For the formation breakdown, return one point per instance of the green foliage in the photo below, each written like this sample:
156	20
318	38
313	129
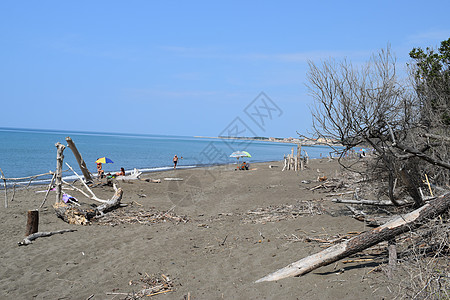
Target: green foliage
432	75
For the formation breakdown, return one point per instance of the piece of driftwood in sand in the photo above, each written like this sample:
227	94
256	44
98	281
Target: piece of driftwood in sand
29	239
369	220
151	180
173	179
369	202
79	215
59	162
79	158
363	241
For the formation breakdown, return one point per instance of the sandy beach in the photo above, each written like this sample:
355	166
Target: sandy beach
229	228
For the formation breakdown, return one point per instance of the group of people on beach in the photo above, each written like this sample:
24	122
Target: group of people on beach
101	172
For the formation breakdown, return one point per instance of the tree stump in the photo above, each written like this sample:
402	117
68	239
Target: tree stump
32	222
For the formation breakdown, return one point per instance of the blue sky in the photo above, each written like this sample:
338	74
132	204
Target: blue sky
188	67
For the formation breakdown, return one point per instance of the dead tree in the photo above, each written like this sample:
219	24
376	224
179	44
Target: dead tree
365	240
79	158
370	106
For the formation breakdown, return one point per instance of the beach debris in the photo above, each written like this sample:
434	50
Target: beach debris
386	232
369	202
29	239
173	179
323	178
78	215
135	215
296	162
276	213
150	285
151	180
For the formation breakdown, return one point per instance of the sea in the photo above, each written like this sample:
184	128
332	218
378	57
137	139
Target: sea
29	152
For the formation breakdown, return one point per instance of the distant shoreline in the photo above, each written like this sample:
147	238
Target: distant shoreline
303	142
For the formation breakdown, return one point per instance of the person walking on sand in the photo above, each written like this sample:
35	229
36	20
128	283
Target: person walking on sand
175	161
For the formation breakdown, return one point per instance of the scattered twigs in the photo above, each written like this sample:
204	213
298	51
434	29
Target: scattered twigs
152	285
132	215
29	239
283	212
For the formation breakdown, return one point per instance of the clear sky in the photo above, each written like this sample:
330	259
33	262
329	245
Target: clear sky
188	67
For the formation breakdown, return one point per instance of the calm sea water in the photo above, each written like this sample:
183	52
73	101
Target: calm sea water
25	152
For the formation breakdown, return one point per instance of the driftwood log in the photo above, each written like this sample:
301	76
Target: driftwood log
369	202
29	239
73	214
79	158
363	241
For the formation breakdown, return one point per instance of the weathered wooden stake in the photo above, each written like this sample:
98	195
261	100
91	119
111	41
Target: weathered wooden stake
6	189
392	250
81	163
32	222
59	162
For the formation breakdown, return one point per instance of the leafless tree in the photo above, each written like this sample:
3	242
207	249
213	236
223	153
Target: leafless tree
369	105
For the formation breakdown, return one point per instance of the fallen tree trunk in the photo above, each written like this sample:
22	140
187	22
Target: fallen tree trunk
29	239
363	241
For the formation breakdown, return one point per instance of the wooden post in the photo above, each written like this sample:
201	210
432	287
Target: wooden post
392	250
81	163
307	157
6	189
32	222
59	162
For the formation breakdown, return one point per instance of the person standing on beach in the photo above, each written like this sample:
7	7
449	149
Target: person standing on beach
175	161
